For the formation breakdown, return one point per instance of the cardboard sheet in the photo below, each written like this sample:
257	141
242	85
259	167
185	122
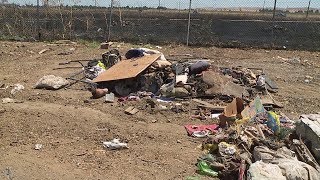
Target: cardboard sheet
127	68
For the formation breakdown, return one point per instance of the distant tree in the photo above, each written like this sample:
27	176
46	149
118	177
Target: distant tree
161	7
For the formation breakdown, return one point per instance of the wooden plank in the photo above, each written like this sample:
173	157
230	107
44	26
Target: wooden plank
127	68
208	105
131	110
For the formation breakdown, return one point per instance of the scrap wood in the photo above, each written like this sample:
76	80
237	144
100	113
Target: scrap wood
77	73
242	170
85	60
67	68
127	68
260	132
208	105
269	100
43	51
84	81
131	110
190	55
304	154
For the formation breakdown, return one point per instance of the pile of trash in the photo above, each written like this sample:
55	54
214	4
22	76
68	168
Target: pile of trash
145	70
252	143
249	138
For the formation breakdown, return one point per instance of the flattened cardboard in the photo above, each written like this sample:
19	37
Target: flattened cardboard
234	108
127	68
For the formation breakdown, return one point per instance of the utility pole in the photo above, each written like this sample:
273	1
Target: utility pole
308	9
189	22
264	4
274	9
159	5
110	21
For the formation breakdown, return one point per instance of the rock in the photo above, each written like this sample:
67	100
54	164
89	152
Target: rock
309	77
169	90
232	89
2	111
180	92
9	100
51	82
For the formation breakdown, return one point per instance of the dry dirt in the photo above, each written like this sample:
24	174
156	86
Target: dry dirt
72	130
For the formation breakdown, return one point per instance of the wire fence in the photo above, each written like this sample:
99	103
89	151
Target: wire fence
277	24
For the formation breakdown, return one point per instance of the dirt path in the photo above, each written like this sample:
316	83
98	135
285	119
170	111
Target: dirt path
72	130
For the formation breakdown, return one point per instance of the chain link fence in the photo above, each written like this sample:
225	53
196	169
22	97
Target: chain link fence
277	24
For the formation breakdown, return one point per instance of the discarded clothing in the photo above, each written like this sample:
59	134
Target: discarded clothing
198	67
201	130
94	71
134	53
264	171
139	52
290	167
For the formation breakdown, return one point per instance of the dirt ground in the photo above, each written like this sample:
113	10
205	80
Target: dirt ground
72	129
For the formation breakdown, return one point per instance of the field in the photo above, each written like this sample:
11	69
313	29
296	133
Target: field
222	29
71	129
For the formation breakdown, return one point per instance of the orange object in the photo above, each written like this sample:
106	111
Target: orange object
98	93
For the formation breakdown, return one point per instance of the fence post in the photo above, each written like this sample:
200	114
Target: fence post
38	21
110	20
274	9
189	22
273	17
308	9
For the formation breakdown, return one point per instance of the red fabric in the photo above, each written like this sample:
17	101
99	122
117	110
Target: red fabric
193	128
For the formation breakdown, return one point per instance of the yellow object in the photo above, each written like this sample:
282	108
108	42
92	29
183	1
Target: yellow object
100	64
242	121
273	122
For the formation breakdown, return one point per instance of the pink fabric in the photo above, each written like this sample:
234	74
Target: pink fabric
193	128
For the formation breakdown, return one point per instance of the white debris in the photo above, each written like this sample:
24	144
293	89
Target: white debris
115	144
43	51
38	146
9	100
17	88
264	171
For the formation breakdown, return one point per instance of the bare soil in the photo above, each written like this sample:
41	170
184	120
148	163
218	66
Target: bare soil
72	130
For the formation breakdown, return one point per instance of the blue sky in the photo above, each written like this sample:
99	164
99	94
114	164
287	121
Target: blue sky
184	3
